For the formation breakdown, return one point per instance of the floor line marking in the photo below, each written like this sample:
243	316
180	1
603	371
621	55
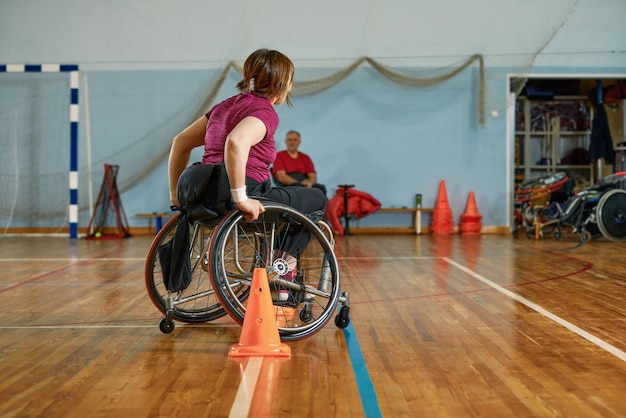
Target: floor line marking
9	327
245	391
364	383
73	326
73	259
79	259
575	329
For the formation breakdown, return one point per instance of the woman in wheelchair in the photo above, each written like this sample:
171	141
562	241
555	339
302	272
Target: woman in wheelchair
239	131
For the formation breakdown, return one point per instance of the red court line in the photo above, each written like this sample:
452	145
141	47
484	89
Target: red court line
586	267
42	276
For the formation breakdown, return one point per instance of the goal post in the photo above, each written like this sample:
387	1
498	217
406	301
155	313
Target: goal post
74	77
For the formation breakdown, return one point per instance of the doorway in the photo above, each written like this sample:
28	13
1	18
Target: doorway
550	118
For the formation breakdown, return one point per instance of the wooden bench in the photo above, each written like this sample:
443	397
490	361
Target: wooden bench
158	218
417	221
417	215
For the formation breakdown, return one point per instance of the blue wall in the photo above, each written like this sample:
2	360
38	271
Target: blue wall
390	140
146	69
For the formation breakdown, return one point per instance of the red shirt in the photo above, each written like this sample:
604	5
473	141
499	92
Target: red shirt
223	118
302	164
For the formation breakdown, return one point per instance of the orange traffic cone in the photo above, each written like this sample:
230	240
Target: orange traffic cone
442	223
470	220
442	197
259	334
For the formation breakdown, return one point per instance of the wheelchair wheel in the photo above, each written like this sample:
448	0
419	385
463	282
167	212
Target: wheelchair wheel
593	229
611	215
238	247
197	303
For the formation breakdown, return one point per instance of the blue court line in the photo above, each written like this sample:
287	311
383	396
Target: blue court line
369	400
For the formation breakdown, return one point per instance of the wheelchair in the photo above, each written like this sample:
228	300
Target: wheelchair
536	201
598	211
224	253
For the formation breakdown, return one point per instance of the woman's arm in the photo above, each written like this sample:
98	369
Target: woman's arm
182	145
246	134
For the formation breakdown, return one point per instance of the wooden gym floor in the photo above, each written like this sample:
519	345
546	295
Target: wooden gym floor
453	326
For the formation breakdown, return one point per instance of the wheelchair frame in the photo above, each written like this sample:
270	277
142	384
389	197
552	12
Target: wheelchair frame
223	258
596	211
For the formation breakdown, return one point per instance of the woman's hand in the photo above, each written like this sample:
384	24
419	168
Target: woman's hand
174	199
251	209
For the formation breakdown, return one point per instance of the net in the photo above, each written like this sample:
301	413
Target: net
34	119
9	189
34	132
34	127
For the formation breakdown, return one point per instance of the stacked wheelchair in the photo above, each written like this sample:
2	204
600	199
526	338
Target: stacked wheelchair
223	254
548	202
597	211
537	201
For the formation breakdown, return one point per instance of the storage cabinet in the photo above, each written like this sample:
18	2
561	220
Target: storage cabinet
553	135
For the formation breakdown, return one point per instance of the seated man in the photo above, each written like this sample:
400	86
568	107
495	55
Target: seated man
293	167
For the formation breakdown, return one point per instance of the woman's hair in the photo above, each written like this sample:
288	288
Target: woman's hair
268	73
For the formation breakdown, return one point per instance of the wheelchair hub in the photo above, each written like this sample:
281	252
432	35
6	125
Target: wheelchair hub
280	266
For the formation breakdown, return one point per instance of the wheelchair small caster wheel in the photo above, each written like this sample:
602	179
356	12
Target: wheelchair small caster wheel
343	318
305	315
166	326
556	234
585	236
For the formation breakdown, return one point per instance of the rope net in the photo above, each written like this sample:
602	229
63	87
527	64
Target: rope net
34	133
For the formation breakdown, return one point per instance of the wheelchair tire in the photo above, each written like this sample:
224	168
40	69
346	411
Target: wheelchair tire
611	215
238	247
196	303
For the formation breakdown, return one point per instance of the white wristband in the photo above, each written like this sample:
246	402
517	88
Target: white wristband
239	195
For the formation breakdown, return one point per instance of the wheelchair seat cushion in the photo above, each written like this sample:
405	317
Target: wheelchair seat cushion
203	191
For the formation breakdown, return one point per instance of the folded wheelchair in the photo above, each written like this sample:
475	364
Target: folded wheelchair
549	202
223	253
537	200
597	211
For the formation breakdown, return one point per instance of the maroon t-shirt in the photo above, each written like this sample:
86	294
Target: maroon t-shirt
223	118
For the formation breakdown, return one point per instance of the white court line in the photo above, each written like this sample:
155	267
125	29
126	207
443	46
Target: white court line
74	326
410	257
589	337
245	392
109	326
73	259
77	259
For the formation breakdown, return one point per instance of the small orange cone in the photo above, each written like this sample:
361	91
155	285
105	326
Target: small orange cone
471	209
259	333
442	223
470	220
442	197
